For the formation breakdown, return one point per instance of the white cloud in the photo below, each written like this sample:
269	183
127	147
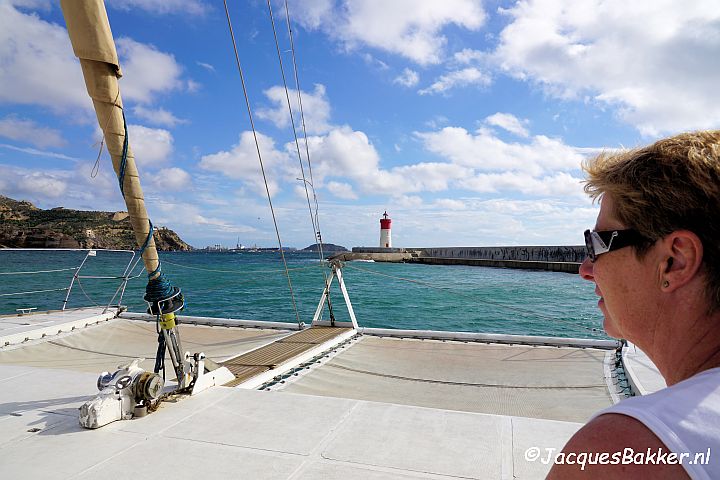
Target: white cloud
450	204
28	131
348	153
50	185
408	78
508	122
38	153
342	190
173	178
426	176
343	152
404	27
147	71
241	163
437	121
654	61
151	146
316	109
38	64
193	86
72	188
481	162
157	116
468	56
458	78
486	152
407	201
162	7
374	62
32	4
206	66
183	216
559	185
498	221
39	67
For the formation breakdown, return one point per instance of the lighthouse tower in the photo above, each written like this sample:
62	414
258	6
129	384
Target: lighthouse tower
385	237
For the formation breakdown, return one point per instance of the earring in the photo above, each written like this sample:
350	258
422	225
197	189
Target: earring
665	284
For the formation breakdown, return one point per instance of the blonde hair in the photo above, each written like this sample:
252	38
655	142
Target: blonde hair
673	184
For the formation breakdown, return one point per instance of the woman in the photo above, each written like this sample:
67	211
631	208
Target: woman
654	256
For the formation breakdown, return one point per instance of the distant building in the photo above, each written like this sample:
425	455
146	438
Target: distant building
385	236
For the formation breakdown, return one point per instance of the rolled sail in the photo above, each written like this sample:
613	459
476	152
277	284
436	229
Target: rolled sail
93	44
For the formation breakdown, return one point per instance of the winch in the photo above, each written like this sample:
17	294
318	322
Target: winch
122	393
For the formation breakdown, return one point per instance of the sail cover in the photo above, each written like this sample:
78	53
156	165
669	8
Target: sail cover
93	44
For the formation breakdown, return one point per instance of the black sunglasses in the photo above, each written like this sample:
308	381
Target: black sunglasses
597	243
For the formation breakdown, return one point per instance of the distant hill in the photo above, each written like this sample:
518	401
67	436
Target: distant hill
23	225
327	247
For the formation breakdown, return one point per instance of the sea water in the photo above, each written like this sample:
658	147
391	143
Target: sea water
254	286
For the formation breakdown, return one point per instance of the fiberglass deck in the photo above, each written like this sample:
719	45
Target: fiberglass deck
377	408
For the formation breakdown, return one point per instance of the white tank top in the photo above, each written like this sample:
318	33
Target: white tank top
686	417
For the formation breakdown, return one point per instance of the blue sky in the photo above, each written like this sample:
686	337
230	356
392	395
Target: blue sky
466	120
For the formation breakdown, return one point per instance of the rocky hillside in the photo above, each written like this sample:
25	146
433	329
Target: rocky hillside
23	225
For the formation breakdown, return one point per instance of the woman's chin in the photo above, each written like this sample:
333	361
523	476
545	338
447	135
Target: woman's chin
610	328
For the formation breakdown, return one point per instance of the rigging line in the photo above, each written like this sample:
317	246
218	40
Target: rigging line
96	166
85	293
316	223
316	229
237	272
132	269
39	271
302	121
488	302
34	291
262	167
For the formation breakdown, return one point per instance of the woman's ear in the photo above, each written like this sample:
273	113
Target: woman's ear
684	252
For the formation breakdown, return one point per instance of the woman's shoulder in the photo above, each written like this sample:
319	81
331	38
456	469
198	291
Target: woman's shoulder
611	444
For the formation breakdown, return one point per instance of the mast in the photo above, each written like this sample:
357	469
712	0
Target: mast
93	44
89	30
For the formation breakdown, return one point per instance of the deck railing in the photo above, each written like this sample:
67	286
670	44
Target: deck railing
123	279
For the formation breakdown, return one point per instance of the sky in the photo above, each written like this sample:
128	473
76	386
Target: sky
466	120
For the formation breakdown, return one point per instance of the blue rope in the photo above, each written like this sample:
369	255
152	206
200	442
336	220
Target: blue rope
123	159
147	240
158	288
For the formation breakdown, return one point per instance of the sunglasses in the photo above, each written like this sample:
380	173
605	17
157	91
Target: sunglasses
597	243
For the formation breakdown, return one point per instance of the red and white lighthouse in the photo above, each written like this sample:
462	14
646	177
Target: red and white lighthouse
385	237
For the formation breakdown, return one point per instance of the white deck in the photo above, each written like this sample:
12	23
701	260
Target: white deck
16	329
227	433
224	433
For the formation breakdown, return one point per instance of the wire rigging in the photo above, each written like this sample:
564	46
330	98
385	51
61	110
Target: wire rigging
235	272
302	121
292	122
39	271
314	218
262	167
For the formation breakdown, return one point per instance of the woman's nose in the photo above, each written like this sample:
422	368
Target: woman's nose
586	270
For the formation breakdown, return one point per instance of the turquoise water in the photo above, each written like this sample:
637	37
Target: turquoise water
253	286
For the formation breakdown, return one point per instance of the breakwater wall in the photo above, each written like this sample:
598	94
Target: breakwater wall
528	253
551	258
